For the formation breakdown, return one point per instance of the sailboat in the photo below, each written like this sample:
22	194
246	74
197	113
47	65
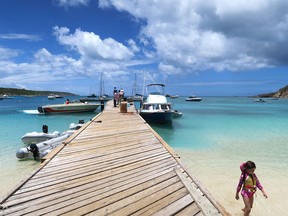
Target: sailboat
102	96
135	96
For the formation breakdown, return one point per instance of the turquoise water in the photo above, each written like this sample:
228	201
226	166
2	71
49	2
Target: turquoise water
17	117
212	138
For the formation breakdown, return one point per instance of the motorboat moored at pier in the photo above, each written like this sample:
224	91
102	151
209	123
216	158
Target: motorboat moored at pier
156	108
39	150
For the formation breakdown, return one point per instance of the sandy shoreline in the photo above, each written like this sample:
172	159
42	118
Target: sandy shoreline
220	176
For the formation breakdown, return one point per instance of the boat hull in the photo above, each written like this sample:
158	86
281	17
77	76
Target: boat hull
68	108
194	99
157	117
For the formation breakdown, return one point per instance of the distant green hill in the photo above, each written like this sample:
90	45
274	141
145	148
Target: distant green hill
19	92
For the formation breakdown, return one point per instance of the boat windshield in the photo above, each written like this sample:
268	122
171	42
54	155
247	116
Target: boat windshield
155	89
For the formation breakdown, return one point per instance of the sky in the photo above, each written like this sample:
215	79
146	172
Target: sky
194	47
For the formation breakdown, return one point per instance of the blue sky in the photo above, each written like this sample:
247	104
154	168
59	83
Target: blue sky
207	48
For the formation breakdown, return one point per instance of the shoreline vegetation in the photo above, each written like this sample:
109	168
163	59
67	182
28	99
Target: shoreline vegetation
25	92
281	93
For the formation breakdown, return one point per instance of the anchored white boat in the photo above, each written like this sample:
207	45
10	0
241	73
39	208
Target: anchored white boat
76	107
156	108
193	98
39	150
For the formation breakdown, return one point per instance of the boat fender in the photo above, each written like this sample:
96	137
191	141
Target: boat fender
45	129
35	151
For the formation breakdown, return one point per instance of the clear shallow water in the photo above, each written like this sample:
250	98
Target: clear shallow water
17	117
212	137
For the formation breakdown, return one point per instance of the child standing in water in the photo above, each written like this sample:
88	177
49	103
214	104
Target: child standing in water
249	183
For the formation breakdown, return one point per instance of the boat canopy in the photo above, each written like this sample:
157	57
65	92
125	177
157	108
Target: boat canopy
155	89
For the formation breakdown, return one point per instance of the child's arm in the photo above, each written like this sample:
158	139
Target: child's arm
258	184
239	186
264	193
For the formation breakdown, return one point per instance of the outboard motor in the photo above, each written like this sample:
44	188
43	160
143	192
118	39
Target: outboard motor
35	151
81	121
40	110
45	129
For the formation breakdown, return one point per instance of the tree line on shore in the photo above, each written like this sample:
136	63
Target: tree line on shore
22	92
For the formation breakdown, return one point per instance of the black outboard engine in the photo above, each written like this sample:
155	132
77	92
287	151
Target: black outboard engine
40	110
35	151
45	129
81	121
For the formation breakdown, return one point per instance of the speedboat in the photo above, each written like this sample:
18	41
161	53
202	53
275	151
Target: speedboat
156	108
75	107
193	98
39	150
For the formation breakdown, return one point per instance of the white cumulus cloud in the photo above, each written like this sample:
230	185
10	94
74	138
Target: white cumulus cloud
90	45
194	35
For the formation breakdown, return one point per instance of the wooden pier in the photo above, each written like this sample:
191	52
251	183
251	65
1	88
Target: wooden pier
116	164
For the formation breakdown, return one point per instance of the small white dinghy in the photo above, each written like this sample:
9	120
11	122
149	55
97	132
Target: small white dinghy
39	150
36	137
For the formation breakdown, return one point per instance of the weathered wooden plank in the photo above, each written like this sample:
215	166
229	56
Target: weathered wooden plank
201	200
161	203
176	206
192	209
94	189
95	168
60	194
62	183
98	157
154	184
148	192
135	206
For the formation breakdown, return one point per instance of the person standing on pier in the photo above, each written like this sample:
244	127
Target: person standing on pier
115	96
121	95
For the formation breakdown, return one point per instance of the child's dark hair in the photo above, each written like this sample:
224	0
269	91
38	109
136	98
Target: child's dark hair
245	166
249	165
